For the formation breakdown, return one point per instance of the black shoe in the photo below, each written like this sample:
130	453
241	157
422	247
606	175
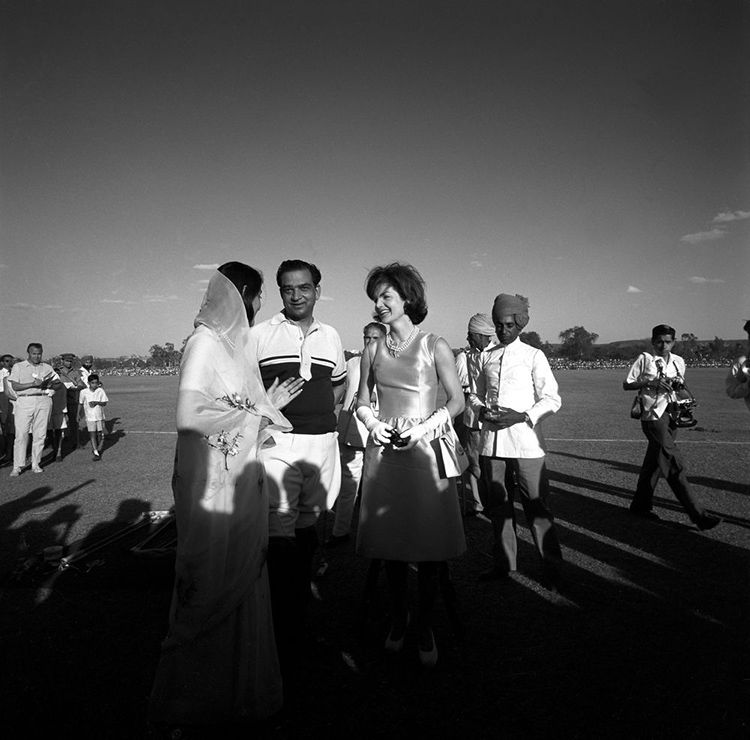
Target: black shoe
551	577
652	515
708	521
493	574
337	539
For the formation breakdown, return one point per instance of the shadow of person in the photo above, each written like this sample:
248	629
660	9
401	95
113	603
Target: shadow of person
290	559
129	512
34	535
708	481
112	435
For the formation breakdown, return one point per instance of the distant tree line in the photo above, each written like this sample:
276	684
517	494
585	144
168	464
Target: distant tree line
576	343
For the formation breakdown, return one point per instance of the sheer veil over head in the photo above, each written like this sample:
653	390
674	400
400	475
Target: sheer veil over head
223	312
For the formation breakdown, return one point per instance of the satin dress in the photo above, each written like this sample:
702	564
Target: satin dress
407	512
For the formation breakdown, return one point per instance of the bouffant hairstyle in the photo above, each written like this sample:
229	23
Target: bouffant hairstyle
244	276
406	281
292	265
662	329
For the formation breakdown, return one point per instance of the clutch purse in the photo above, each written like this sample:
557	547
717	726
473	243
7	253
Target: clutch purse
451	457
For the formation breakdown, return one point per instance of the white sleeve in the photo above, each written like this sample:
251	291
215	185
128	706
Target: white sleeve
462	369
545	389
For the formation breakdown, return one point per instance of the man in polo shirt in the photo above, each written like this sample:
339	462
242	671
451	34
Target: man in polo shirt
34	382
302	466
515	391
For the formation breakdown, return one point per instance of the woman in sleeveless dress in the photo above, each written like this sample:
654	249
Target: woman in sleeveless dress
218	662
408	514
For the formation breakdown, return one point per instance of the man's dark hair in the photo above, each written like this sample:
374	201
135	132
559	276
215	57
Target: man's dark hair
92	376
292	265
244	276
34	344
662	329
406	281
6	357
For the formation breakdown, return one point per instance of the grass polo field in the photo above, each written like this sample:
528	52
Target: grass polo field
647	639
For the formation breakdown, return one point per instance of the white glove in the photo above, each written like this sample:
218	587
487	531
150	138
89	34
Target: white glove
380	432
433	421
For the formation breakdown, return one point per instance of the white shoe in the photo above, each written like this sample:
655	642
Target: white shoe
15	473
36	469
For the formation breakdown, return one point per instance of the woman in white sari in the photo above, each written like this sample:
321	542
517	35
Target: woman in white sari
218	662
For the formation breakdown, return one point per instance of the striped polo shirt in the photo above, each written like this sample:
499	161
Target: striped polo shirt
284	351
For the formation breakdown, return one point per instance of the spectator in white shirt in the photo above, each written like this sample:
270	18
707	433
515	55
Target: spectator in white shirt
481	335
515	391
34	382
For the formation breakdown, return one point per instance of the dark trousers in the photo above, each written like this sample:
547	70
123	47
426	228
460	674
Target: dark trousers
289	578
72	406
503	476
663	459
471	482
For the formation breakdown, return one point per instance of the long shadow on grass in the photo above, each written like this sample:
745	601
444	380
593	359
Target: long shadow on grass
660	621
640	637
83	631
36	534
112	436
709	482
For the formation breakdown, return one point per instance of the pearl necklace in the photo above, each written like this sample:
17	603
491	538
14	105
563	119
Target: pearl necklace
397	349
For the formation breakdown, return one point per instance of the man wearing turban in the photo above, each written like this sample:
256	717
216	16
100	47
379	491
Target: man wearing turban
481	334
515	391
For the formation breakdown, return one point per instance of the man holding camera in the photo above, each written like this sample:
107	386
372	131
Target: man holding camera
656	377
34	383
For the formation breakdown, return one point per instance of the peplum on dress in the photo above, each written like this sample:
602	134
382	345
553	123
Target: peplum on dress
408	513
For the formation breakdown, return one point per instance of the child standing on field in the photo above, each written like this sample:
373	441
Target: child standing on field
91	404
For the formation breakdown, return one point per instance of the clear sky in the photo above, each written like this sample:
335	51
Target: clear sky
590	155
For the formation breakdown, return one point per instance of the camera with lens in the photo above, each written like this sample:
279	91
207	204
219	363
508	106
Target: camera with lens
676	383
681	409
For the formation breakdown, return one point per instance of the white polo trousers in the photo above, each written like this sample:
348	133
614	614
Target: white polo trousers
32	414
303	475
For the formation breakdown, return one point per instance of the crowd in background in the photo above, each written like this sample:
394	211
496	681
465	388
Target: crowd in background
44	404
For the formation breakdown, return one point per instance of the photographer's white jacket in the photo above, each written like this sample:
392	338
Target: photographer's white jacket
520	378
